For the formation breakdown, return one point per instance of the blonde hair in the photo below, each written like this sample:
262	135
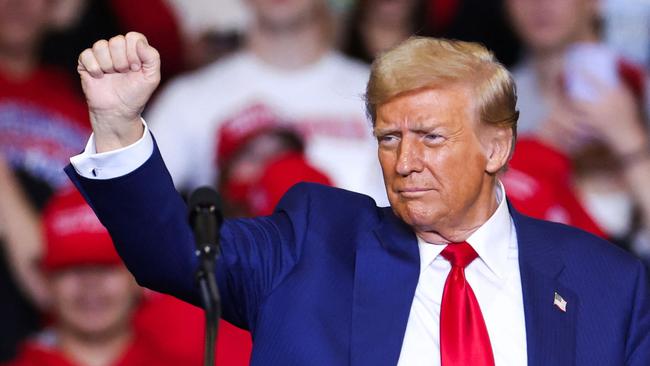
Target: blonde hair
422	62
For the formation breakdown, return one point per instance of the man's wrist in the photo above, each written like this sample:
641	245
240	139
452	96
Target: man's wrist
108	137
115	163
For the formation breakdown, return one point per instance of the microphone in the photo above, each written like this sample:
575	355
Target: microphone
205	219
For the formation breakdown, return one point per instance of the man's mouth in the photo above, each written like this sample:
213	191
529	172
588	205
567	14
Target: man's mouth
413	192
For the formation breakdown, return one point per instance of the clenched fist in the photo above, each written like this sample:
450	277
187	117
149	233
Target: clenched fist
118	77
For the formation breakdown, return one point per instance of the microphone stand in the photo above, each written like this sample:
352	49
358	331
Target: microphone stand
207	254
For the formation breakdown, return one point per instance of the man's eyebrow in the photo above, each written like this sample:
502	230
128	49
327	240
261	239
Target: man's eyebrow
421	127
384	131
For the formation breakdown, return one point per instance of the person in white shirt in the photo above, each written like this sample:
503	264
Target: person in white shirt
287	65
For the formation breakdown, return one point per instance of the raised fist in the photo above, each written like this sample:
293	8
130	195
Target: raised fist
118	77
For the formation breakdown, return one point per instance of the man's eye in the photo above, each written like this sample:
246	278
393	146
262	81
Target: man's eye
432	137
386	139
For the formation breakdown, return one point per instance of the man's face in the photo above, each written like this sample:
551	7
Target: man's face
93	301
391	10
551	24
22	23
285	15
435	162
248	164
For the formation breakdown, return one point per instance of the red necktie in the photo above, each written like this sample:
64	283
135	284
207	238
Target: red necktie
464	339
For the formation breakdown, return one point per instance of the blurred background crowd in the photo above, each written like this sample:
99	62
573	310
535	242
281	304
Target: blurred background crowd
260	94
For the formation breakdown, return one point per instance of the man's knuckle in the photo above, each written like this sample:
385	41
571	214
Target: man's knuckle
93	68
85	54
134	35
100	45
116	41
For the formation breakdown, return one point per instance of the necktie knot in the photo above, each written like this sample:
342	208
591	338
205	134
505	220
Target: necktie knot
459	254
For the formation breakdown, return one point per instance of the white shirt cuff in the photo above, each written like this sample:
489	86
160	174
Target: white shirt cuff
116	163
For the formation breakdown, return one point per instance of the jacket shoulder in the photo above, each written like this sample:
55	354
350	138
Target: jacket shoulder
326	200
578	247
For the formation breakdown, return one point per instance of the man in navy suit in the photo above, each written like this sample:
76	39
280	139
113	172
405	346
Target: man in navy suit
448	275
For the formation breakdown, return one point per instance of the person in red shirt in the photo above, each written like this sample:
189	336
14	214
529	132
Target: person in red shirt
42	121
100	316
539	182
260	158
93	296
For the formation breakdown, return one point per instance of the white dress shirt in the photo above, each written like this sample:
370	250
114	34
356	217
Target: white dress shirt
494	275
115	163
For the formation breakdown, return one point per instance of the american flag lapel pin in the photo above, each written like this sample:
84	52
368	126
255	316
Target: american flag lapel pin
559	302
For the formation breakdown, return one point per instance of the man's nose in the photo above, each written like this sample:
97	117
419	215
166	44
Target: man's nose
409	158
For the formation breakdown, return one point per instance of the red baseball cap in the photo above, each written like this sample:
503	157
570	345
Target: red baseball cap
280	175
73	234
241	128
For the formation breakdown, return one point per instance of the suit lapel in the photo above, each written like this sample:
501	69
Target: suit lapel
387	269
550	332
382	298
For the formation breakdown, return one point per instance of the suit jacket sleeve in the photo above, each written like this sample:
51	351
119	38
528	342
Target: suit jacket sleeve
638	338
147	220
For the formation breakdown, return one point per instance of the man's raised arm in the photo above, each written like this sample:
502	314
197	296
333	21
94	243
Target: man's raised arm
134	197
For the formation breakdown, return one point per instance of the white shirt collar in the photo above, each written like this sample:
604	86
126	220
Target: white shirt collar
491	241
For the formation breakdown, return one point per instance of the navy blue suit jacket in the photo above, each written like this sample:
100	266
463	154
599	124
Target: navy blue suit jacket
329	278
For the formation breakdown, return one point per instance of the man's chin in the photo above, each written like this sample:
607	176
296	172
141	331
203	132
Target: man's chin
432	237
416	214
424	226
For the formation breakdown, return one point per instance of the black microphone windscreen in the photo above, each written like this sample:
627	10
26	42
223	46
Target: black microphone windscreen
204	197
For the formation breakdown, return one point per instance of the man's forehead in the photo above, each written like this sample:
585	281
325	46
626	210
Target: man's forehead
425	107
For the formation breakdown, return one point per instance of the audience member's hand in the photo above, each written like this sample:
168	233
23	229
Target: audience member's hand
118	77
564	130
615	117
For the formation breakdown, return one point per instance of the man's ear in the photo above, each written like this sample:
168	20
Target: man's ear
497	142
